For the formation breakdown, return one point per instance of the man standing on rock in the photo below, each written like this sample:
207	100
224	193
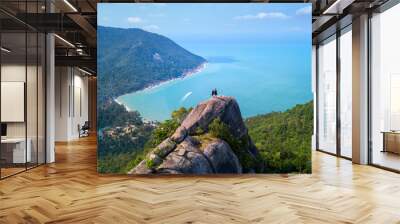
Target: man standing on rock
214	92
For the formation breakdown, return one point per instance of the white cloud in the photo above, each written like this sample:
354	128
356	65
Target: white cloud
263	15
151	27
304	11
135	19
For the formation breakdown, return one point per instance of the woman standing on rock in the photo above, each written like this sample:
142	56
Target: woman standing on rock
214	92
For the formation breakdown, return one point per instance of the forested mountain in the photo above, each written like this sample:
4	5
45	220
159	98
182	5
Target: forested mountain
132	59
123	135
284	138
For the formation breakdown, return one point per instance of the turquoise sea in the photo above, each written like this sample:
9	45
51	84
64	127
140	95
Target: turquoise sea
262	77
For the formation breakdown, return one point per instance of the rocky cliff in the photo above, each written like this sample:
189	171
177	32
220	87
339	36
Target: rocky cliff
211	139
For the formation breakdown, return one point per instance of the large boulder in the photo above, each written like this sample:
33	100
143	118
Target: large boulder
165	147
192	150
186	158
179	135
223	107
221	157
141	168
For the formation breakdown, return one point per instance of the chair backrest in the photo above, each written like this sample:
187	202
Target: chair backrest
86	125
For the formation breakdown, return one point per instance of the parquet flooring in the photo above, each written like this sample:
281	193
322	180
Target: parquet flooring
8	171
71	191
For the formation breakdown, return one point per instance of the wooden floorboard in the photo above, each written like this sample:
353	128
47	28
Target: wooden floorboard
71	191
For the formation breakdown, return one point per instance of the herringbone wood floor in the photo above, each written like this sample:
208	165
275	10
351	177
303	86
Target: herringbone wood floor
70	191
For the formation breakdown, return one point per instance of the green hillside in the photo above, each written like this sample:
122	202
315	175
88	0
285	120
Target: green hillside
122	136
132	59
284	138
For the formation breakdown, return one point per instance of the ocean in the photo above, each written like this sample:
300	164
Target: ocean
263	77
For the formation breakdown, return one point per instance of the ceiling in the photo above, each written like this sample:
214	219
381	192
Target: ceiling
73	21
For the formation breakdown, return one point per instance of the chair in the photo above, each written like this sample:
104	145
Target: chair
84	130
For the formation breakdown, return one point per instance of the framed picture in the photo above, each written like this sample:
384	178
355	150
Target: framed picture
204	88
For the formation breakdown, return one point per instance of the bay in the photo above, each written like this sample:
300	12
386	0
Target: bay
262	77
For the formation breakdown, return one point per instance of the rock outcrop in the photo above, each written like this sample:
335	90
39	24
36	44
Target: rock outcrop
193	150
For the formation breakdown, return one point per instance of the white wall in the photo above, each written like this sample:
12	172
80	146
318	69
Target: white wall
81	113
12	73
71	102
33	127
62	82
16	73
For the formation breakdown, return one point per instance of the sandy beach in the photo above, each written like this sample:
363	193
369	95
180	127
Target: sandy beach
194	71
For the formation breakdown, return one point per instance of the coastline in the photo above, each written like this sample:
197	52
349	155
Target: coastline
120	103
192	72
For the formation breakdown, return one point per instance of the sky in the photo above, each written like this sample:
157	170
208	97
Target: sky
225	22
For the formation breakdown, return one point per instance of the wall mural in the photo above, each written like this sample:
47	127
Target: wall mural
204	88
